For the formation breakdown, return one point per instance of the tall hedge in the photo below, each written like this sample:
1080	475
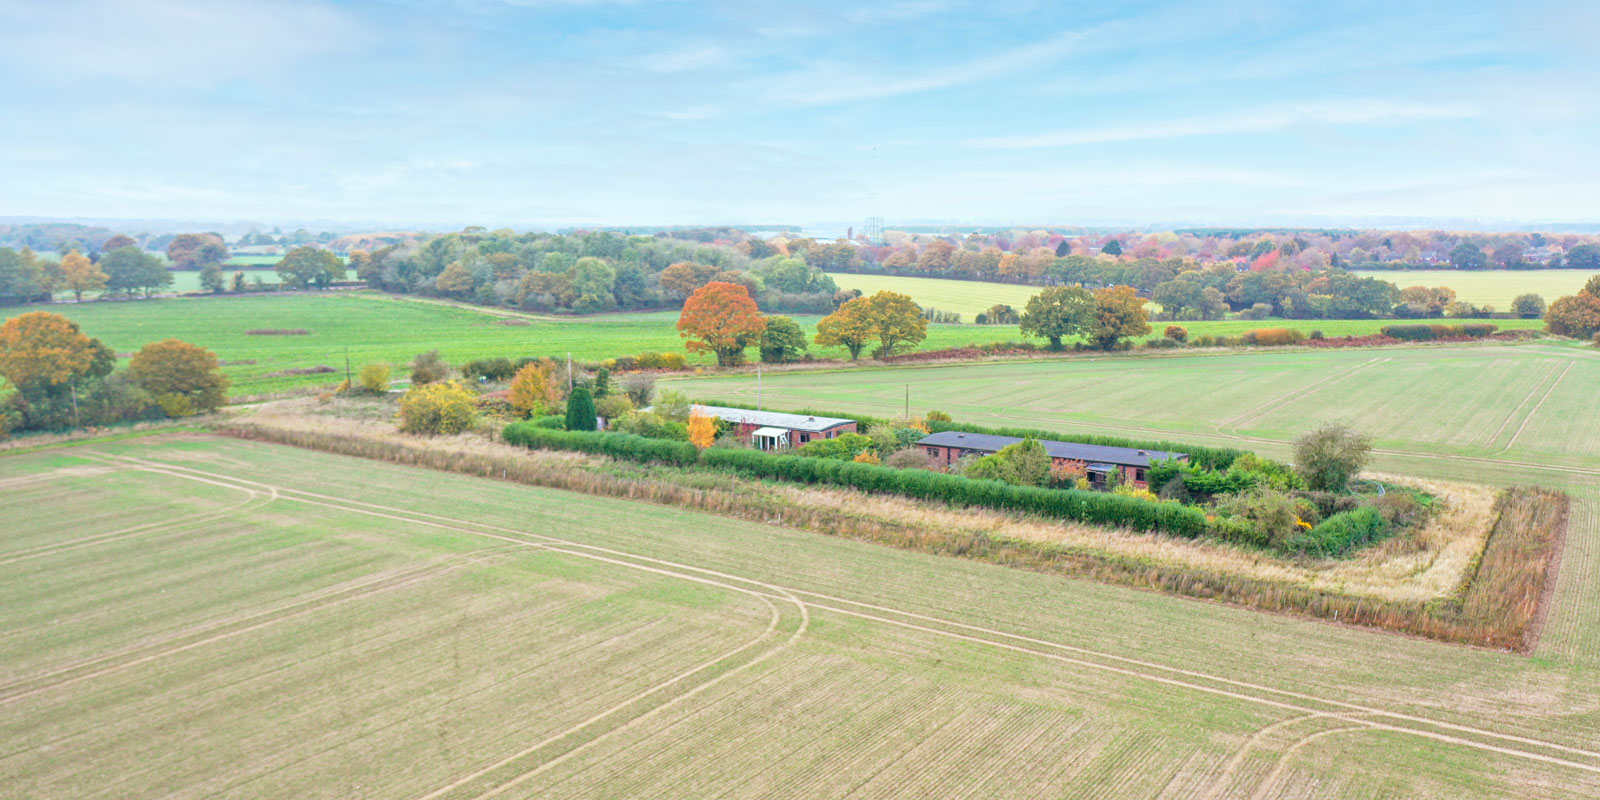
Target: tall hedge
1091	507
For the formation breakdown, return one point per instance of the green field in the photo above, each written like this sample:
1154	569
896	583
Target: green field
968	298
1492	287
188	281
383	328
193	617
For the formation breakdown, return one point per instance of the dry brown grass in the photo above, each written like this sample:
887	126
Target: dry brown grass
1432	582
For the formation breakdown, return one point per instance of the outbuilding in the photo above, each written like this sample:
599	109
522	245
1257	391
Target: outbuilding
1131	465
774	430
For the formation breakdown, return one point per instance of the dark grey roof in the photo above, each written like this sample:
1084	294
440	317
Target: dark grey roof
774	419
986	443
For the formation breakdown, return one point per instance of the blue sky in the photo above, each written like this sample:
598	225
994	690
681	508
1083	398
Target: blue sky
534	113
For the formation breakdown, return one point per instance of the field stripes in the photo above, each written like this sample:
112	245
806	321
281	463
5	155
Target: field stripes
1535	411
253	499
1533	390
1573	619
1232	423
1470	736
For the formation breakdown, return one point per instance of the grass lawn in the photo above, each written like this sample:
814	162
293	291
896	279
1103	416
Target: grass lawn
366	629
382	328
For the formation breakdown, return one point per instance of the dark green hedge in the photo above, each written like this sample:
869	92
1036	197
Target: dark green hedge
1342	533
1090	507
1428	333
617	445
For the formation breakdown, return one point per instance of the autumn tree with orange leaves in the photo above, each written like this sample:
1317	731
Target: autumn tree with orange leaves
721	318
1118	314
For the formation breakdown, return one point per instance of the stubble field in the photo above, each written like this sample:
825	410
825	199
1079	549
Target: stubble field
205	617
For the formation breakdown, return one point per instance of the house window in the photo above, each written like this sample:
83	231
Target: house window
1138	474
805	437
933	451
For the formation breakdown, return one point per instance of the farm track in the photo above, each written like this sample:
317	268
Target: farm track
1484	739
1533	413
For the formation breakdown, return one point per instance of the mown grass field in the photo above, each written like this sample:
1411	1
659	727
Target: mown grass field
199	617
378	327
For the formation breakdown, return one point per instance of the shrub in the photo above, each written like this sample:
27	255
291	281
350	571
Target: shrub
535	389
910	458
1342	533
674	361
613	406
428	368
843	447
374	378
1316	335
437	408
1528	306
1274	514
1257	311
1478	330
554	422
1177	333
640	388
1273	337
493	369
936	416
580	410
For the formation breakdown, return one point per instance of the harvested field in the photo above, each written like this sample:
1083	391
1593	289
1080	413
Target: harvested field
432	635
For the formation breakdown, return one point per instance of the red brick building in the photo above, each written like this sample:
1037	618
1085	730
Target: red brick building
947	447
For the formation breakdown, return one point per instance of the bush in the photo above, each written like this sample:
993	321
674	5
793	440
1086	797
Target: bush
1528	306
674	361
374	378
1428	333
1342	533
640	388
554	422
1177	333
437	408
936	416
1273	337
910	458
428	368
1316	335
1328	457
1257	311
493	369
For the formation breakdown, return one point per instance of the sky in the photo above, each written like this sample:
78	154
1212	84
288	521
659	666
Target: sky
544	113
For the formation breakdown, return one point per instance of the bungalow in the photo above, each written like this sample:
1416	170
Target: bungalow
946	447
772	430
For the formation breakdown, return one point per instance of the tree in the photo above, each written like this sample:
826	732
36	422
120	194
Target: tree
721	318
1576	315
79	275
455	280
580	410
782	341
45	356
1528	306
21	277
128	269
437	408
896	321
685	277
211	279
195	250
1112	248
1584	256
1024	463
184	378
535	390
309	265
702	429
1118	314
1058	312
1328	457
1063	248
1467	255
118	241
849	327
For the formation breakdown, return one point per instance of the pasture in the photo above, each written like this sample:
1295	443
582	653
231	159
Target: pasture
379	327
196	617
968	298
1491	287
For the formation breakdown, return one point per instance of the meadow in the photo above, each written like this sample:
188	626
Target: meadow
188	281
378	327
255	620
1489	287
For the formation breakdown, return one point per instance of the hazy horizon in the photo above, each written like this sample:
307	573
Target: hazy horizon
548	115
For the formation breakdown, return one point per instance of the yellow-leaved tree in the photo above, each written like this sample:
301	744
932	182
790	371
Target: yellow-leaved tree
79	275
702	429
535	391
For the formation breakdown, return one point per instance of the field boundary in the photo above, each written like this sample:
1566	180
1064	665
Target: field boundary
1286	699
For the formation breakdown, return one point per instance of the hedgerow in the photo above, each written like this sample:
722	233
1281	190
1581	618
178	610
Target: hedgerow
1091	507
1342	533
616	445
1428	333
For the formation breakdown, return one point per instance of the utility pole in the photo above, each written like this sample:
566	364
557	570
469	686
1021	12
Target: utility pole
569	372
76	421
347	377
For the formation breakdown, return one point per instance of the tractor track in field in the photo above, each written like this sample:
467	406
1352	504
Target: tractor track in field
555	544
1535	410
1358	715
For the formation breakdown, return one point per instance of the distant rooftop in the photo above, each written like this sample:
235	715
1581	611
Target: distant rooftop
1093	453
773	419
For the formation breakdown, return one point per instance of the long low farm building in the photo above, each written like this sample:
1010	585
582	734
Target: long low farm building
773	430
947	447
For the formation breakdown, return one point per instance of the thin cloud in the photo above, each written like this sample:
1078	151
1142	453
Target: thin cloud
1263	120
